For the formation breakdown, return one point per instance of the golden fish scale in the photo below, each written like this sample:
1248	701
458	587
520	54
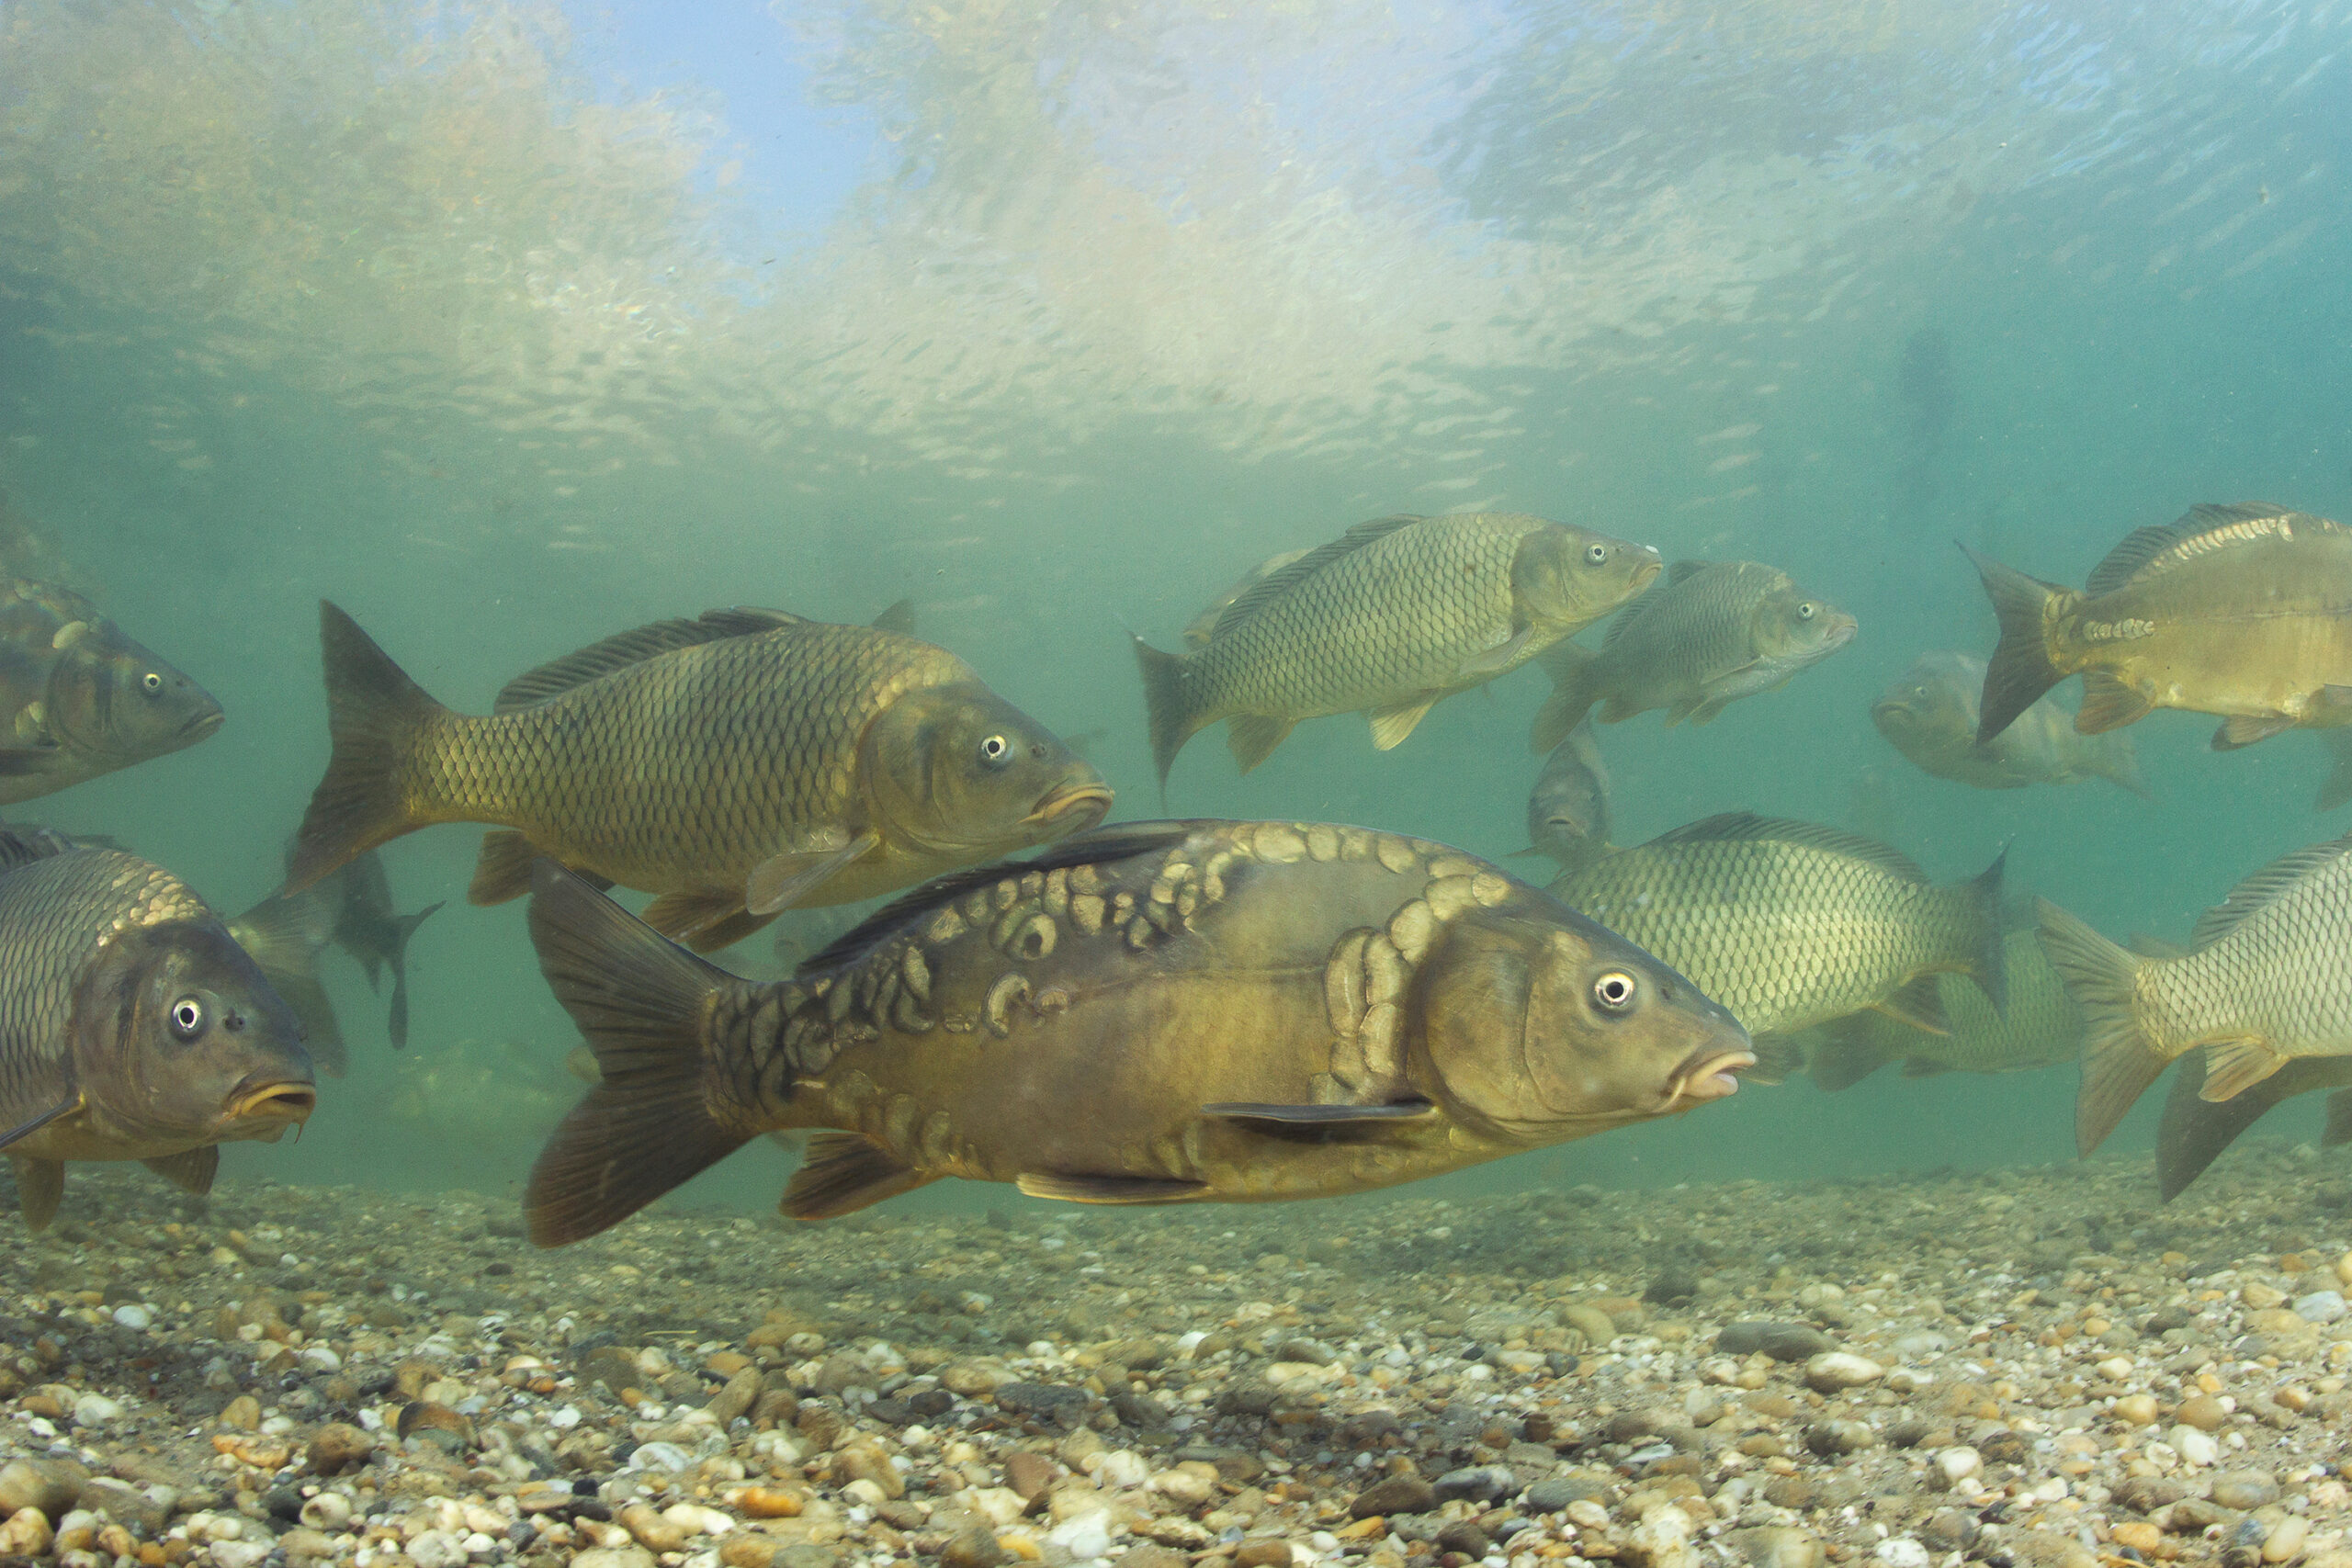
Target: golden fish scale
1397	616
686	770
1784	935
1703	627
2246	626
2041	1027
2280	972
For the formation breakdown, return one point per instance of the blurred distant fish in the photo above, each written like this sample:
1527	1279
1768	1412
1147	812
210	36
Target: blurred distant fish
1789	924
1386	620
359	895
132	1026
2242	611
284	934
1567	811
1931	716
734	765
78	698
2038	1026
1713	632
1204	626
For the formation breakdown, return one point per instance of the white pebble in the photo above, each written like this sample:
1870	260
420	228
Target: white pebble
130	1314
328	1512
2322	1306
563	1418
245	1553
2195	1447
94	1410
695	1519
433	1549
1119	1468
1834	1370
2115	1369
1087	1535
1958	1463
317	1358
1902	1551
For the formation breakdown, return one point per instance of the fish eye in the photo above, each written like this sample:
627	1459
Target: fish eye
995	750
1805	611
1596	554
1614	991
187	1019
151	682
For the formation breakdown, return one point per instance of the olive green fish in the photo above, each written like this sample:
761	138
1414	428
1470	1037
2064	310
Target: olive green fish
1386	620
1567	811
2242	611
1713	632
1203	627
1154	1013
358	897
284	935
2195	1130
1789	924
78	698
733	765
1931	716
2265	983
2037	1026
132	1025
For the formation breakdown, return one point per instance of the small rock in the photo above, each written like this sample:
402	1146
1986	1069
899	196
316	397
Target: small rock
735	1400
1958	1464
2259	1297
26	1533
2139	1409
1478	1482
2139	1535
133	1315
2195	1447
1264	1553
1589	1320
1027	1475
1778	1546
1671	1283
47	1485
338	1446
1465	1538
1829	1439
1902	1551
1951	1530
2321	1306
96	1410
1149	1556
2243	1489
434	1548
1399	1494
615	1557
2287	1537
124	1504
1781	1341
1554	1495
242	1413
1834	1370
975	1546
767	1502
1308	1350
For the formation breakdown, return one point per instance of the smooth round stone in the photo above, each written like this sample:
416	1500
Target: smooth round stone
1902	1551
2139	1409
130	1314
2203	1412
2244	1489
1958	1463
2195	1447
2115	1369
1834	1370
94	1410
2322	1306
2287	1537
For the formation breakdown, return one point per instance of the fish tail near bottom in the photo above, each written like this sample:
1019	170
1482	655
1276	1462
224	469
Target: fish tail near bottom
1572	697
2021	669
2118	1060
374	714
403	928
640	1001
1166	706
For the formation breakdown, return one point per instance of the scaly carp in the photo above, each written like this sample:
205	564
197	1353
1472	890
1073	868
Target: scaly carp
1386	620
2037	1026
78	698
132	1026
1930	714
733	765
1567	811
2242	610
1154	1013
1714	632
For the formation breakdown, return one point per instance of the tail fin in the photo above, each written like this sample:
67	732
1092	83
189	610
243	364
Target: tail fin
1990	966
403	928
2118	1061
2020	670
640	1001
1169	710
374	711
1570	666
283	935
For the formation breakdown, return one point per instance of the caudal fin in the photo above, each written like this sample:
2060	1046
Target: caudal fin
1166	705
403	928
2020	671
1573	694
2118	1060
640	1001
374	712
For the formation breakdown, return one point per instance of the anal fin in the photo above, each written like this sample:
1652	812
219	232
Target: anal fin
1392	723
2234	1066
2245	729
191	1172
1252	737
703	919
843	1172
797	876
40	1186
1918	1004
1109	1189
503	870
2109	703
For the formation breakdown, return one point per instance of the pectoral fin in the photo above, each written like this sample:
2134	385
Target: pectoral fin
1392	723
844	1173
18	761
2236	1065
1321	1115
40	1183
191	1172
2109	703
1109	1189
1252	737
1499	659
27	1129
1918	1004
796	875
2245	729
503	870
705	918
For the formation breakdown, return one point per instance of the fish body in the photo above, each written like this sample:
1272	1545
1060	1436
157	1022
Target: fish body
1152	1013
78	698
1203	627
375	935
1567	811
1931	714
1386	620
1713	632
1789	924
2039	1026
284	935
132	1026
2242	610
734	765
2265	983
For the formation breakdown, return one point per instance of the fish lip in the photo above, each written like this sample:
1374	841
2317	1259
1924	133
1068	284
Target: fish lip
1092	800
274	1099
1841	631
1695	1084
1889	707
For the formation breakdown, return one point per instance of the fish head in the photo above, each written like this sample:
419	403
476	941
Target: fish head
1567	811
958	772
1543	1025
177	1034
1793	629
110	697
1934	700
1567	577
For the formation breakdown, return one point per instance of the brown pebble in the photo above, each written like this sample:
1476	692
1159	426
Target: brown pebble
1262	1554
767	1502
974	1547
748	1548
2139	1535
242	1413
423	1415
338	1446
1027	1475
2203	1412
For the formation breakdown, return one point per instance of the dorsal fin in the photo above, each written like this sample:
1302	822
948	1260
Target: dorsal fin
618	652
1274	584
1103	843
1680	572
23	844
1738	826
2155	548
2261	887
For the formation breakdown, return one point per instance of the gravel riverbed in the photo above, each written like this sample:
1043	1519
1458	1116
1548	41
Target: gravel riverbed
2037	1367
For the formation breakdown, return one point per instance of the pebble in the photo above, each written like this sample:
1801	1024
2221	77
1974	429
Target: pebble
2243	1489
96	1410
1902	1551
2196	1448
615	1557
1399	1494
2139	1409
2322	1306
1781	1341
1833	1370
2286	1540
1959	1463
974	1547
2203	1412
1479	1482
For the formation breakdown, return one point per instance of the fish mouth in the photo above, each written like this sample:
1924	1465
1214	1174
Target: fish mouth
1645	572
204	724
1072	809
1710	1074
280	1099
1889	711
1840	632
